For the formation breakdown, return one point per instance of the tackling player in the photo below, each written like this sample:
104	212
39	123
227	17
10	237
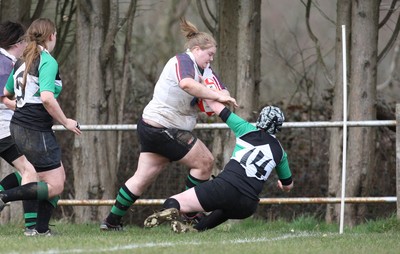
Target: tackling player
233	194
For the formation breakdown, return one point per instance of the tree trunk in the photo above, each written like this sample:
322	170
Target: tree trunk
94	160
227	62
362	98
336	138
228	43
248	57
19	11
239	58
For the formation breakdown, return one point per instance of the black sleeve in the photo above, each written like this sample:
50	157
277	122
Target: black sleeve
225	113
286	181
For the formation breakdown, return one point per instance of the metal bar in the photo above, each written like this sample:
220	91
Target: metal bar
398	160
318	124
344	142
263	201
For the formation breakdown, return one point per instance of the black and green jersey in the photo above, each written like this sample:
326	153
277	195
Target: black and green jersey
255	155
42	76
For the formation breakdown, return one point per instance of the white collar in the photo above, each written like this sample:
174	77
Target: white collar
194	60
5	52
43	49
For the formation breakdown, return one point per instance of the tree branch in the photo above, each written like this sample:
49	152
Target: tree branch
210	12
38	10
204	18
130	15
178	13
85	7
393	77
63	25
317	46
388	14
391	41
112	30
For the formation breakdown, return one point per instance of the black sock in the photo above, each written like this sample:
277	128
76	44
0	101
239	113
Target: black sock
211	221
45	210
30	212
124	200
10	181
29	191
171	203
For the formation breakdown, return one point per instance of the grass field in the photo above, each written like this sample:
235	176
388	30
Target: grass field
305	235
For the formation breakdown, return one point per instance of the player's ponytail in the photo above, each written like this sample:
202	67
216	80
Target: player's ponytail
37	35
196	38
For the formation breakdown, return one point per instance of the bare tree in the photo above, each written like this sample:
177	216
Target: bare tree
97	102
248	58
363	59
236	25
335	145
362	99
19	10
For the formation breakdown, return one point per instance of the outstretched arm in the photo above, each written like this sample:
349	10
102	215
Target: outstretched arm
198	90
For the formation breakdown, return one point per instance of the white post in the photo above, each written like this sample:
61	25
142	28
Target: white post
342	205
398	159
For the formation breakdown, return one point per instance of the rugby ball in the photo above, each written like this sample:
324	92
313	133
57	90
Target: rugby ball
209	82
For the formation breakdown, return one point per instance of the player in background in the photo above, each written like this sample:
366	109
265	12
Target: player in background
12	45
36	84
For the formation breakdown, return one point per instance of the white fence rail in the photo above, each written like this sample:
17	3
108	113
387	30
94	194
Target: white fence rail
299	200
202	126
263	201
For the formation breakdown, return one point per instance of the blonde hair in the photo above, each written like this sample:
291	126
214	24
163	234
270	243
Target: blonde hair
196	38
37	34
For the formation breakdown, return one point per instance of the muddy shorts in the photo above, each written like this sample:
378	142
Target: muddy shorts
39	147
171	143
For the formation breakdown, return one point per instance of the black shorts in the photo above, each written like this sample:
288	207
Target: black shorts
171	143
40	148
9	150
219	194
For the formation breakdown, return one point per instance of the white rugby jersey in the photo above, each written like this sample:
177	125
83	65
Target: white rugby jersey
171	106
6	64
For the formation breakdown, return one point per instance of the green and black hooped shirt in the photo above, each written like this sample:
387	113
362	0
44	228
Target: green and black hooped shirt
43	76
255	155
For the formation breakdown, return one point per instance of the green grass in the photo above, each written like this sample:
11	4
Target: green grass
304	235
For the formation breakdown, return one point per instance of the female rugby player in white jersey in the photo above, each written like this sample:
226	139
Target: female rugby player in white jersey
165	129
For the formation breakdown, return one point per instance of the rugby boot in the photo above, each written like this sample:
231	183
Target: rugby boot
160	217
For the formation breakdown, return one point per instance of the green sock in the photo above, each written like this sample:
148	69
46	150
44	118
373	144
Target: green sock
124	200
192	181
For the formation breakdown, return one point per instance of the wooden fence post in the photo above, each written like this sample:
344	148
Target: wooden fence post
398	159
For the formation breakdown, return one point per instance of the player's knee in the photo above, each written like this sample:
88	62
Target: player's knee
29	176
210	163
56	188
